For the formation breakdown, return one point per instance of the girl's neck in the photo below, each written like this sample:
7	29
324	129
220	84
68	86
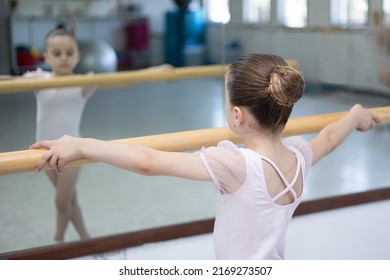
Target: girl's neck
263	143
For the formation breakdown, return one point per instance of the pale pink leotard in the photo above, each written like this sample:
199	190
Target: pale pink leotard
249	223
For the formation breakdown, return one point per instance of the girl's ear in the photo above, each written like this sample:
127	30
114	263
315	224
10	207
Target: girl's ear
239	116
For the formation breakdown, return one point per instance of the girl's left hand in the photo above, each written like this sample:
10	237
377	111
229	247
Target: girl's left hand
366	120
59	152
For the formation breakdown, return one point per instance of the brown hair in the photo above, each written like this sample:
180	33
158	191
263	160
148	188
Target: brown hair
59	30
267	86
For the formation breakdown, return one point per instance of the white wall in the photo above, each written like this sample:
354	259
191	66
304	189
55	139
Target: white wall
32	31
326	56
354	233
97	20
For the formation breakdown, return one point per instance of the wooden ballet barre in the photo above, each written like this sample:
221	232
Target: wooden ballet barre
25	161
118	78
113	79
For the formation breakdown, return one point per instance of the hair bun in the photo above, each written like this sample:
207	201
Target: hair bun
285	85
61	25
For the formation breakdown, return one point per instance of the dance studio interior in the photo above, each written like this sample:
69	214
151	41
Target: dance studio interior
341	47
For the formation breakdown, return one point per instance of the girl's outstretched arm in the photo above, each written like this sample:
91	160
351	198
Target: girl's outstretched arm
331	136
139	159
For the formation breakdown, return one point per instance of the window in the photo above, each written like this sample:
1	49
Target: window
257	11
349	13
293	13
386	11
386	6
218	11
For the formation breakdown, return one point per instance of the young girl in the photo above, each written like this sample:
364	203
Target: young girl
260	185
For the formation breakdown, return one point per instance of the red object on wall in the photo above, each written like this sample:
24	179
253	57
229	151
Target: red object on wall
24	57
137	35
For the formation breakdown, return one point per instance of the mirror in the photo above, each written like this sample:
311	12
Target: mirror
112	201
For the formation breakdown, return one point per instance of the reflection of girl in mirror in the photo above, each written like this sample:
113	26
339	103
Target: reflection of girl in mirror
59	112
260	185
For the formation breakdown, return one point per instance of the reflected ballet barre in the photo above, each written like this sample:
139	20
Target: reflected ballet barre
119	78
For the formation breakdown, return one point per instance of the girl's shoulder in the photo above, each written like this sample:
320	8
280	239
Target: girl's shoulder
226	165
225	151
303	147
38	73
226	144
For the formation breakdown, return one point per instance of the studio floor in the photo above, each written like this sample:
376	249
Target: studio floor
115	201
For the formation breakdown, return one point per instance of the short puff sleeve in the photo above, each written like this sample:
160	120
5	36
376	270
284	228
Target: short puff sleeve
37	74
226	166
304	148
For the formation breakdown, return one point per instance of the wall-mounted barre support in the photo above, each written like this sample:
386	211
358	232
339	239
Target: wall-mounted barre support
118	78
25	161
